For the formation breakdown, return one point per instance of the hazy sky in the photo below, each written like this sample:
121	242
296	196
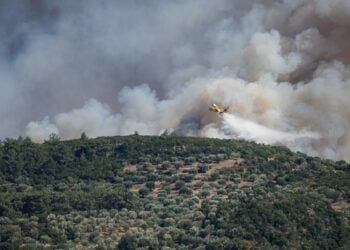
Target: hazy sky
113	67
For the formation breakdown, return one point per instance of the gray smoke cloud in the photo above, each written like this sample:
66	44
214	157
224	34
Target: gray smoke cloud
115	67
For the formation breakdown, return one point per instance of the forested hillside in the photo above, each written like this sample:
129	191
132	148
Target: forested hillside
169	192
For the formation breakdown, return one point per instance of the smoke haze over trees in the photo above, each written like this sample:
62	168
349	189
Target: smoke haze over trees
115	67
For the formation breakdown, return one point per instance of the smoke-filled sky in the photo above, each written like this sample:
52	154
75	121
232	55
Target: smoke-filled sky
115	67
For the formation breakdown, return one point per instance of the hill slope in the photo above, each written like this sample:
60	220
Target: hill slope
169	192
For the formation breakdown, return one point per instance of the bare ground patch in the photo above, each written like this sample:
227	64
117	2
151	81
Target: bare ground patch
130	168
339	206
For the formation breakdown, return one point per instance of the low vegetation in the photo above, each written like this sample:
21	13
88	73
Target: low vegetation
169	192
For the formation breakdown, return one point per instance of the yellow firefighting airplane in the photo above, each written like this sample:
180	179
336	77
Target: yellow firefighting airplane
216	108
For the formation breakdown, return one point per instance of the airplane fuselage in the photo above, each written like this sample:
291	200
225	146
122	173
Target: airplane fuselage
216	108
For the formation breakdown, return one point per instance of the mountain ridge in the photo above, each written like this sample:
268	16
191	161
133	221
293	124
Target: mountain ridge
137	192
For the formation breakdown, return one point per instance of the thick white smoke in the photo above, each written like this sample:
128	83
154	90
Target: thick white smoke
115	67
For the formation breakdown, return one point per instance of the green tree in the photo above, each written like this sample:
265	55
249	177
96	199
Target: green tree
128	242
